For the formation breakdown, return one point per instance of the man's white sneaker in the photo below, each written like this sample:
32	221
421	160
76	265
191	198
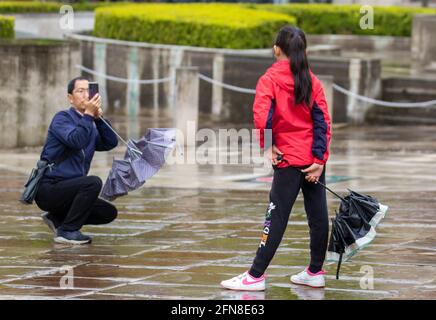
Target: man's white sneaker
307	278
245	282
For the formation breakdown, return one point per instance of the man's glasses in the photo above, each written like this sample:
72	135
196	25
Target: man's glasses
81	90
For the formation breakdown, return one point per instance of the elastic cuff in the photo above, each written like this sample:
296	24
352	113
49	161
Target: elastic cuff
314	269
316	160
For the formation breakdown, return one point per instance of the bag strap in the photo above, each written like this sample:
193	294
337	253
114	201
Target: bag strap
60	159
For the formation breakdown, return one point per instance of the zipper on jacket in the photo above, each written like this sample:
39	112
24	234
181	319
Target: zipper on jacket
84	157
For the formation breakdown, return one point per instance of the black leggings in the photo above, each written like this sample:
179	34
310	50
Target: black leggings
284	191
73	203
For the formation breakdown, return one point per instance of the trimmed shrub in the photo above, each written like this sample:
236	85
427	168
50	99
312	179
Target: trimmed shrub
48	7
205	25
345	19
7	27
28	7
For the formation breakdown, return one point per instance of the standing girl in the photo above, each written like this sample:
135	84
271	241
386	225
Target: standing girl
290	100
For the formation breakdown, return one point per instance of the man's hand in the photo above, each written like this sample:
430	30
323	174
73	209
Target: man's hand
99	113
92	106
313	172
273	153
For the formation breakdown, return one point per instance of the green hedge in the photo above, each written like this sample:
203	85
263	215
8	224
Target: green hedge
7	27
344	19
28	7
48	7
312	18
205	25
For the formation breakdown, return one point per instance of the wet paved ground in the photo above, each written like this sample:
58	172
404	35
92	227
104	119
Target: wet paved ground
192	226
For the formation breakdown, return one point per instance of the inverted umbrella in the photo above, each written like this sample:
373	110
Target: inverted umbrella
121	179
353	228
142	160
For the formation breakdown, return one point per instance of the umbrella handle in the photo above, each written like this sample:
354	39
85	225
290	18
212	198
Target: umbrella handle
339	266
325	187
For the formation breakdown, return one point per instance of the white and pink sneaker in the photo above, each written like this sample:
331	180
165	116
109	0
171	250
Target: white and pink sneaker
307	278
245	282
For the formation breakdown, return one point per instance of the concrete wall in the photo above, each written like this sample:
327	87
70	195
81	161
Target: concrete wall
393	51
406	89
361	76
409	89
362	43
33	87
240	68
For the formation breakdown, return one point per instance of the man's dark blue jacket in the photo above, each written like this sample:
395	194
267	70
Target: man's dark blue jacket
80	136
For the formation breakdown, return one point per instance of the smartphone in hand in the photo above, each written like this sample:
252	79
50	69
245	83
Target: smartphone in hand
93	89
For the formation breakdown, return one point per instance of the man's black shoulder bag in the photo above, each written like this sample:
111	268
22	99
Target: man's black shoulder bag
32	184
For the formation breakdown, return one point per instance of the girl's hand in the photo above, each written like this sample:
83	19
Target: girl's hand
273	154
313	172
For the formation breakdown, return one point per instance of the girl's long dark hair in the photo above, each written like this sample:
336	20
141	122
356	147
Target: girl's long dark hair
292	41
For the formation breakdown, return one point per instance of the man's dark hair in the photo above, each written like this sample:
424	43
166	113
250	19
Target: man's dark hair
72	83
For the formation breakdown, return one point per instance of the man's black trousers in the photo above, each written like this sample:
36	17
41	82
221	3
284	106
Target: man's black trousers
74	202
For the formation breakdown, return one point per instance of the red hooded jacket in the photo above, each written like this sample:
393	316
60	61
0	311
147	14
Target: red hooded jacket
301	133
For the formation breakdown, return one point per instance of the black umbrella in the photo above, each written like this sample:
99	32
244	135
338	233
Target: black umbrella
142	160
353	228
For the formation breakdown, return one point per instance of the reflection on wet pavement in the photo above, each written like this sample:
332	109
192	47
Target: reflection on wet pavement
192	226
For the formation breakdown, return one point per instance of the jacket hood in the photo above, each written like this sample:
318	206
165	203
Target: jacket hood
280	73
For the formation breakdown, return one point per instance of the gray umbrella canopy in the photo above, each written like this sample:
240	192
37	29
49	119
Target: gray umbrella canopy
142	160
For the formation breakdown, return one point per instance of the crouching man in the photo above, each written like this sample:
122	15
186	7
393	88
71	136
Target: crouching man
66	192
